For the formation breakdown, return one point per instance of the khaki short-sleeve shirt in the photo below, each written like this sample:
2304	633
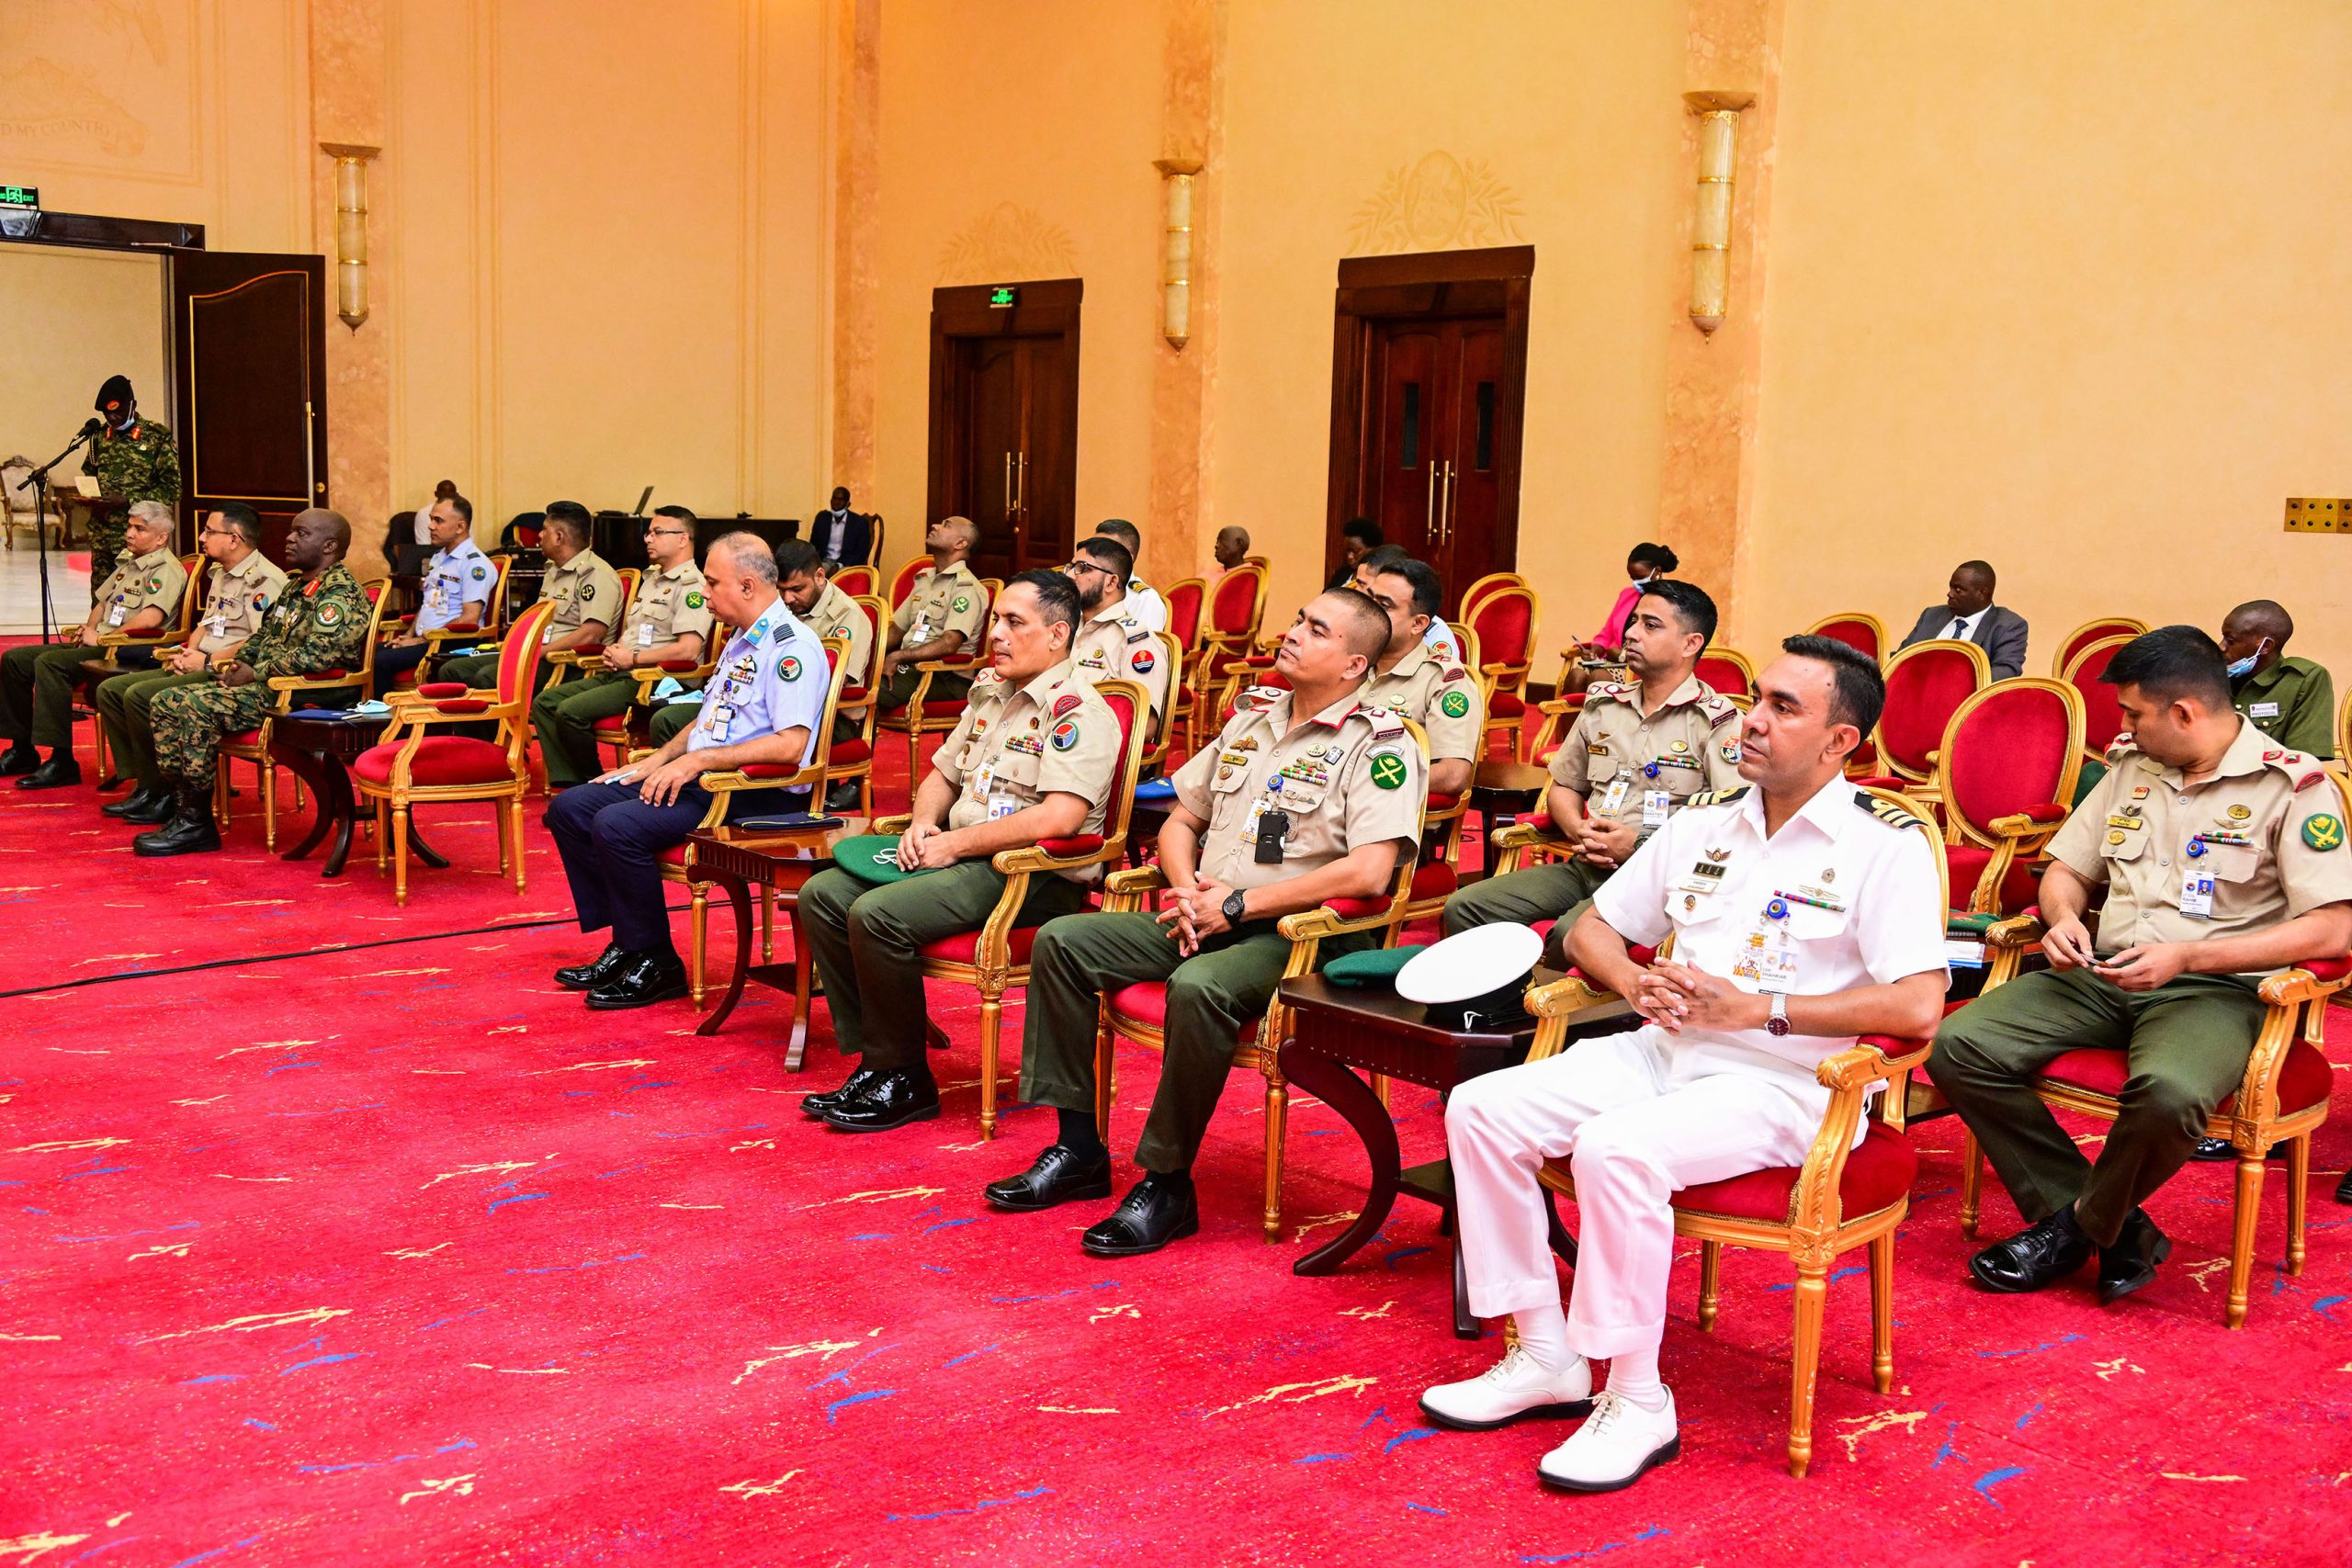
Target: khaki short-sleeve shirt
582	589
1615	757
1353	774
153	582
835	610
2268	827
669	605
942	602
235	600
1433	687
1015	745
1111	645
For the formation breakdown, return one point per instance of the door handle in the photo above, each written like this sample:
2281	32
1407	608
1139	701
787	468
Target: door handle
1450	478
1021	491
1008	486
1429	509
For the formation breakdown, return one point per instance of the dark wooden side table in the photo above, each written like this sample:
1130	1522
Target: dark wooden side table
738	859
316	751
1504	788
1337	1030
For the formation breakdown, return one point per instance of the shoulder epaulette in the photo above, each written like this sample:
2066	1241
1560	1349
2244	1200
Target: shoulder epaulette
1609	691
1258	696
1886	811
1384	721
2121	745
1717	797
2305	771
1719	709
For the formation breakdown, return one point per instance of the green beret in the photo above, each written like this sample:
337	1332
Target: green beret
1376	968
873	857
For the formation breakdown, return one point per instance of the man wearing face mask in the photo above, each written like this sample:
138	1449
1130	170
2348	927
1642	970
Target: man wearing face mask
841	537
134	459
2291	700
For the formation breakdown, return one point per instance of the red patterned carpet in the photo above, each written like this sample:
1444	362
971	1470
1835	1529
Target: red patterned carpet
396	1256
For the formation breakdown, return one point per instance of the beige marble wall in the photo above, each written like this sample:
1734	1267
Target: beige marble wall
347	88
1183	381
856	87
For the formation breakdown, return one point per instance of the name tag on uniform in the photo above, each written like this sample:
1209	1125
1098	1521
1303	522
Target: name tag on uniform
2263	710
718	718
115	615
2197	895
1656	804
982	780
645	634
1613	798
219	625
1001	806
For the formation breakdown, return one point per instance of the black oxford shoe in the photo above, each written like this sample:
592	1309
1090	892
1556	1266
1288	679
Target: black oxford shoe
645	978
2344	1188
56	773
2131	1261
1156	1211
887	1100
145	798
2213	1151
595	971
18	759
850	1087
1057	1176
2037	1256
154	811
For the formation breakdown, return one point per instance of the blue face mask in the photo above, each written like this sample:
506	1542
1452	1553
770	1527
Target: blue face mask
2245	667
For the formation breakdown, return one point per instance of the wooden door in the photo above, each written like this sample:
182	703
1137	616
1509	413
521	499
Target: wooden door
1004	420
1428	386
248	356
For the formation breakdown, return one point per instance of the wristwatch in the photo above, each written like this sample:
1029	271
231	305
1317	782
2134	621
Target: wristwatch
1777	1024
1233	906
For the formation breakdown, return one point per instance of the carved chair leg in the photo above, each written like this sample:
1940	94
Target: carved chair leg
1711	1266
399	853
991	1023
1380	1088
1813	1296
515	834
1883	1313
1277	1118
1971	1181
2299	1180
268	803
383	834
221	793
697	938
1104	1066
2249	1210
767	924
498	826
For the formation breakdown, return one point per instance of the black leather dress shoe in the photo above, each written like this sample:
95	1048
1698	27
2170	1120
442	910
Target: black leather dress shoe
18	759
644	979
887	1100
111	782
1156	1211
2213	1151
851	1086
595	971
2131	1261
1057	1176
56	773
2344	1188
155	810
145	798
2035	1256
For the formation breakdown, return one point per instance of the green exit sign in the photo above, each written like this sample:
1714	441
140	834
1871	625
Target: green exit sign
19	195
1003	298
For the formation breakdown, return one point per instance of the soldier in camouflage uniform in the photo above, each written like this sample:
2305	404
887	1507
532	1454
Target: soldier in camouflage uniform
321	626
134	460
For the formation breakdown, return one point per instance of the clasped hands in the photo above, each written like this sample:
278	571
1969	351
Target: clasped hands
1194	912
658	784
1676	996
926	847
1599	841
2142	967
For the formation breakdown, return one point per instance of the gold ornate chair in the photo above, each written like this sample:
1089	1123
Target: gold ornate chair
252	746
1865	634
2070	646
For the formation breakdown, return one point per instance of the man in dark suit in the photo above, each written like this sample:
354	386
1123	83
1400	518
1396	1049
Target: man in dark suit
843	536
1969	614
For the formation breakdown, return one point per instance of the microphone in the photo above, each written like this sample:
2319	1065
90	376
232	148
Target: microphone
91	426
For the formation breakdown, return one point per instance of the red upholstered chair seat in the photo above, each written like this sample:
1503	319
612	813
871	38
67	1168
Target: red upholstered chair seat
1146	1002
853	695
2305	1082
1506	704
439	760
1966	863
613	724
1438	879
847	752
245	738
964	947
1877	1176
674	856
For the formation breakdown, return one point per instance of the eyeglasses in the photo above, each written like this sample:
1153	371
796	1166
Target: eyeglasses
672	533
1088	565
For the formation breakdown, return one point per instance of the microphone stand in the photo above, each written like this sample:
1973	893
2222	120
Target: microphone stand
38	482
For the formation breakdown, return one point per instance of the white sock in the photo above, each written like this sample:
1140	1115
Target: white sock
1633	1377
1543	1335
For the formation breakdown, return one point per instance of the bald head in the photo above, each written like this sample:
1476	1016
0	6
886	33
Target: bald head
317	539
2258	629
2264	618
1971	588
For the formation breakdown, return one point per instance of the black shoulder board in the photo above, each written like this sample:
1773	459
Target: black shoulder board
1886	811
1717	797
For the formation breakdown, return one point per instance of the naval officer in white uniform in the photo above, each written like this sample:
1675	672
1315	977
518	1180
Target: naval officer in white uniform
1803	915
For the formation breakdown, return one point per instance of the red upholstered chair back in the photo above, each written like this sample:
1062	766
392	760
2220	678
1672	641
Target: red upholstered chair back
2089	632
518	656
2102	713
1238	606
854	580
1504	619
1926	683
1728	671
1184	601
877	613
904	582
2013	744
1475	594
1124	699
1860	632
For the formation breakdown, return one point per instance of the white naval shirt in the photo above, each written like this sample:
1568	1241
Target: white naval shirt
1144	602
1709	878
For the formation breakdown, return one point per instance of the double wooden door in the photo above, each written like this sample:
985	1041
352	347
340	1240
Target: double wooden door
248	335
1430	380
1004	420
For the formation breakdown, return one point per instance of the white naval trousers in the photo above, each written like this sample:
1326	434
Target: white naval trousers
1639	1115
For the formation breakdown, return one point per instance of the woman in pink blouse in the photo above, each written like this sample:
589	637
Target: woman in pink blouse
1645	562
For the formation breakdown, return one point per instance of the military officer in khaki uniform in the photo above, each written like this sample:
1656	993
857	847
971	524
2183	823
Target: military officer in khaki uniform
1035	757
1636	753
1428	684
1307	796
2223	860
141	595
1111	644
669	620
809	593
244	584
584	589
941	618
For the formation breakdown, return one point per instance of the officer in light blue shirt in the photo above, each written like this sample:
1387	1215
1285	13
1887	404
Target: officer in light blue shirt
765	705
458	583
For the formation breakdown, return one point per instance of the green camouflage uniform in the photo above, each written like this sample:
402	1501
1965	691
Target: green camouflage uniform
141	466
321	626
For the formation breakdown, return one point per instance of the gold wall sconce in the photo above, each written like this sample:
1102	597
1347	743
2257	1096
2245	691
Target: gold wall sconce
350	229
1176	277
1718	114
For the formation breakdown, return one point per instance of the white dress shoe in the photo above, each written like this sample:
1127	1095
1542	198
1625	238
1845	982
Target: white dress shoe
1616	1445
1512	1389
